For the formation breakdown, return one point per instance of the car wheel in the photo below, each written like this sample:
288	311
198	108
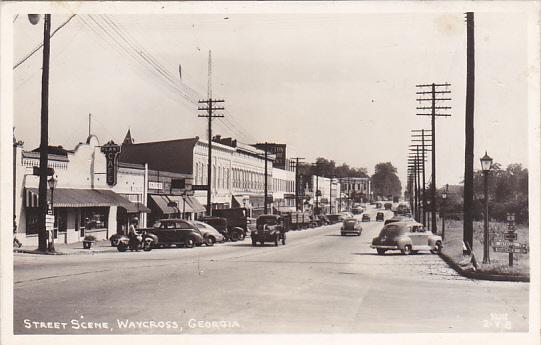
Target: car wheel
122	247
437	248
209	241
235	236
189	243
406	250
147	247
381	251
242	236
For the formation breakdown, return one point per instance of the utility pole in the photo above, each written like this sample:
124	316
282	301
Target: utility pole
44	140
297	189
433	91
210	107
266	180
89	124
424	148
468	161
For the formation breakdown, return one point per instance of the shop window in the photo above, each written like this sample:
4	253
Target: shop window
61	219
32	221
94	217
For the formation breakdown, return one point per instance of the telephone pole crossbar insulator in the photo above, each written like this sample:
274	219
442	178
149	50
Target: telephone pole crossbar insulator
430	92
434	114
430	85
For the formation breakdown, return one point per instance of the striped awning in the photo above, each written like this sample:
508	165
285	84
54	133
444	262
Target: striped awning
135	207
170	204
70	197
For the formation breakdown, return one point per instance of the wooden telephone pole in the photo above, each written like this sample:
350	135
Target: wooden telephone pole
432	93
210	106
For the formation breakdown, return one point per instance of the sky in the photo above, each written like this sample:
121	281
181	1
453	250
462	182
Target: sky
333	85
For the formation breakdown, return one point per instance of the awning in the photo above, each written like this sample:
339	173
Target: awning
189	204
69	197
135	207
285	209
257	201
195	205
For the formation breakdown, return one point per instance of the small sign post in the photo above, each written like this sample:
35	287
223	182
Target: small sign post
505	243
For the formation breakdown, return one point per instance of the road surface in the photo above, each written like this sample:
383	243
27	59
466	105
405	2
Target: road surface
319	282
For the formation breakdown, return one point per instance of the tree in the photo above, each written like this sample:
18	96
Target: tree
385	182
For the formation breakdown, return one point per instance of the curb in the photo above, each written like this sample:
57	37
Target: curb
35	251
481	275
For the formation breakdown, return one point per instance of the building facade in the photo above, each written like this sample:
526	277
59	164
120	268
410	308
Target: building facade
82	202
357	188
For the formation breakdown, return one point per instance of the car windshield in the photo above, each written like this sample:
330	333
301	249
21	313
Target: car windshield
200	225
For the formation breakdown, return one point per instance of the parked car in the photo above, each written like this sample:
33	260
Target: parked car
388	206
269	228
222	225
177	232
210	234
351	226
408	237
237	222
336	217
365	217
380	217
378	205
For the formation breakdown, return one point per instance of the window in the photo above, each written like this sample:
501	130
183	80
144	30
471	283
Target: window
94	217
32	221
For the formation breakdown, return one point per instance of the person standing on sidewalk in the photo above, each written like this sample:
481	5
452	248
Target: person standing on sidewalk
16	242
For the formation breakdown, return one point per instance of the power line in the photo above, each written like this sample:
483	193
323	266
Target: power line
33	51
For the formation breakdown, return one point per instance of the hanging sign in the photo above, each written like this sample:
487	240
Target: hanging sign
111	151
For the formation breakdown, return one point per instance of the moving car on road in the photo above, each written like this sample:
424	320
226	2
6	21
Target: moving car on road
408	237
351	226
365	217
380	217
269	228
210	234
175	231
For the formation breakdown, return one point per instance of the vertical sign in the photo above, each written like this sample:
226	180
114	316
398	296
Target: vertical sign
111	151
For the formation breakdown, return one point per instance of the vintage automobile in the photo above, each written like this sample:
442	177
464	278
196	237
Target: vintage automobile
380	217
408	237
237	222
320	220
365	217
388	205
269	228
210	234
221	224
337	217
351	226
175	231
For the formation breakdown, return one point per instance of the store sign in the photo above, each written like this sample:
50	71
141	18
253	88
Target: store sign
199	187
111	151
155	185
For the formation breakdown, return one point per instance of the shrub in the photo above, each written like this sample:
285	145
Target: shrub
90	238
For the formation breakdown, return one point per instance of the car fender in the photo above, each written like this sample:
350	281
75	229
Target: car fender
403	241
153	237
432	240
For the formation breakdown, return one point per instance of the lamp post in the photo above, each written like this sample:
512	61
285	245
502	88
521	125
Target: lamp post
442	211
52	185
510	228
486	164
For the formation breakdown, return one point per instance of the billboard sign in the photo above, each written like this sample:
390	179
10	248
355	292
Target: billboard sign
111	151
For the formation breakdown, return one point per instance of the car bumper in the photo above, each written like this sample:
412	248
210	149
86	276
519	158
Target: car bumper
350	231
381	246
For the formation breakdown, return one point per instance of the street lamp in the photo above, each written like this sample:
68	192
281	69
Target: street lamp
486	164
442	211
52	185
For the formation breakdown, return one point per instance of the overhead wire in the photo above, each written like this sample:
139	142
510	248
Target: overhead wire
33	51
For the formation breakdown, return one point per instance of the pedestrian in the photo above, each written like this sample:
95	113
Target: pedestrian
16	241
132	234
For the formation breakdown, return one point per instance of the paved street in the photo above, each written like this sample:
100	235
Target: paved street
318	282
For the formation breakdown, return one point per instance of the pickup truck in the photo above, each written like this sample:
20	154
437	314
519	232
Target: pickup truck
179	232
269	228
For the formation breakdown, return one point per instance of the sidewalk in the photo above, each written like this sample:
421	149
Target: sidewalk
71	248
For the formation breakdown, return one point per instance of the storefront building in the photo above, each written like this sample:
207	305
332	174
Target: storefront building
83	203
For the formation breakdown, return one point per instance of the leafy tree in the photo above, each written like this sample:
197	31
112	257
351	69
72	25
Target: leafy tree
385	181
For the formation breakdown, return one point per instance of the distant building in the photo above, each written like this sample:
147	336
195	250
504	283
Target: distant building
358	188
